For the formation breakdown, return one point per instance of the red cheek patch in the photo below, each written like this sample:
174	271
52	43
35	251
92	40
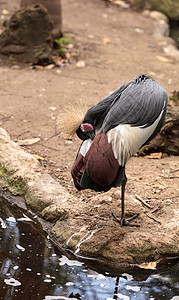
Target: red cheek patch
86	127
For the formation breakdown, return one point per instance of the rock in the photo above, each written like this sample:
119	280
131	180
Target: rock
169	7
158	16
54	10
162	28
80	64
52	213
27	37
172	51
82	227
167	140
117	194
169	46
23	175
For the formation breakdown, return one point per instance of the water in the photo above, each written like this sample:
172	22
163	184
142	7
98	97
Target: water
32	268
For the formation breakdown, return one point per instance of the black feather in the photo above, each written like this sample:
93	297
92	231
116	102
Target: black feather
138	103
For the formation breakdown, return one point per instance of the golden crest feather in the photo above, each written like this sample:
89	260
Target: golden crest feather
70	118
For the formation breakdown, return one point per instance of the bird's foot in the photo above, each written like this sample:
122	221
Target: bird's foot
124	222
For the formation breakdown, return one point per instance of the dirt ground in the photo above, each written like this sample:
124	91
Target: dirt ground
31	99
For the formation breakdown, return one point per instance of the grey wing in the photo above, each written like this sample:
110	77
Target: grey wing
98	112
140	104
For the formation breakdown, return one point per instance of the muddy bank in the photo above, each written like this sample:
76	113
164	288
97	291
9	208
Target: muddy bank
85	226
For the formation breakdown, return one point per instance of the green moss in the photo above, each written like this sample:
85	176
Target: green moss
34	203
144	253
63	41
16	184
62	229
38	53
11	58
169	249
61	51
168	7
149	251
61	44
54	215
175	97
73	242
98	249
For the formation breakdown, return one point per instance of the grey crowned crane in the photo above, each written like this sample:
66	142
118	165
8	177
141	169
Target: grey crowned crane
115	129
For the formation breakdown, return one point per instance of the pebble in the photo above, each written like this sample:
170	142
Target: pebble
80	64
117	194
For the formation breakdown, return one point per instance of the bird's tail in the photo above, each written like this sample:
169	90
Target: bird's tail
70	118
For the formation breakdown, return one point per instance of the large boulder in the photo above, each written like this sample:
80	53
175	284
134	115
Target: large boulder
54	10
86	228
27	37
168	7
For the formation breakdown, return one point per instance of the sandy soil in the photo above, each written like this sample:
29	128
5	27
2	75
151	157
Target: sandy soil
31	99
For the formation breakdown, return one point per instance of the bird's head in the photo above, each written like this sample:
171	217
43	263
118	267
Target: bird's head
85	131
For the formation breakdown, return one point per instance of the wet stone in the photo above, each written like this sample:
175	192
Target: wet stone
41	270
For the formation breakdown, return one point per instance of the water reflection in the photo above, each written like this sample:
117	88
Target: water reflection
31	268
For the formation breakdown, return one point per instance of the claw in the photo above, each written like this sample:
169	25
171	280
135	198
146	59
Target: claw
124	222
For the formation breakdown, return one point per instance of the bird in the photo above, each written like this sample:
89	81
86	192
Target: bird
115	129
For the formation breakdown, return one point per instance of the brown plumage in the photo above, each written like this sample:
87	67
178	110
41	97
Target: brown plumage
101	151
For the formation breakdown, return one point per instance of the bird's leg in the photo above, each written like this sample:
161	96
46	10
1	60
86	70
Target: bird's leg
122	200
123	221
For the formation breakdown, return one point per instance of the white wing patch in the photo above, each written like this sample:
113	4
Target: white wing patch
87	144
126	140
85	147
